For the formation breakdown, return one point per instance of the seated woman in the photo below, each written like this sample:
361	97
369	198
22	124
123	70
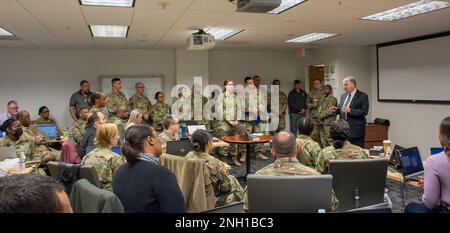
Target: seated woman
142	184
135	118
105	161
16	138
436	183
310	148
44	118
341	148
222	181
171	126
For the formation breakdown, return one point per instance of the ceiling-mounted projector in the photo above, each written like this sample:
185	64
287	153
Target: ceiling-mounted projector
257	6
200	41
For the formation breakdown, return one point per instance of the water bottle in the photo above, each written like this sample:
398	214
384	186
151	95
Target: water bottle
22	160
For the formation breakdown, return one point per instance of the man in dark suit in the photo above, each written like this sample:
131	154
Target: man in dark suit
353	108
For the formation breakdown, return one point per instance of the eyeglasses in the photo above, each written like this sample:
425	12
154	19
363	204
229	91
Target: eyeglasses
45	111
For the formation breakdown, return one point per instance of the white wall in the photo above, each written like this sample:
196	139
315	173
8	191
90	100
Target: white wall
37	77
411	124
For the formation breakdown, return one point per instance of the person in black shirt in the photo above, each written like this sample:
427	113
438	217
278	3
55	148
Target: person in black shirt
142	184
297	105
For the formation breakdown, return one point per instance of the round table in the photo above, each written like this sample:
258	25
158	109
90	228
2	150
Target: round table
237	140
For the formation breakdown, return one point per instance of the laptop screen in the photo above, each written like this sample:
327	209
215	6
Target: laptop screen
436	150
49	130
117	149
193	128
410	161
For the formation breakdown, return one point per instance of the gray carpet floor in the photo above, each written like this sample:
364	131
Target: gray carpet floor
396	191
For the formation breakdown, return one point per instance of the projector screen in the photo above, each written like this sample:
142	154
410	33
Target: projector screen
415	70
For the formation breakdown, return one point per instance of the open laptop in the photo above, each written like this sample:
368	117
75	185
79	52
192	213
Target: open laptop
394	160
436	150
180	148
411	163
7	153
192	128
289	194
48	129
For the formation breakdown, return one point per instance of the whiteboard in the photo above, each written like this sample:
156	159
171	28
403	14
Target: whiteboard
415	70
153	84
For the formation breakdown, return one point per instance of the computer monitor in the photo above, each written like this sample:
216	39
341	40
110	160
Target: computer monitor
117	149
180	148
436	150
411	162
289	194
394	160
48	129
359	182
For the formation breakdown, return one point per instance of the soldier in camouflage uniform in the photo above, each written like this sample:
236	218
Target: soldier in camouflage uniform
341	149
104	160
180	106
253	108
227	110
282	103
44	118
42	151
286	163
221	180
16	138
120	120
115	97
159	110
99	101
314	101
326	117
141	102
198	102
171	126
79	127
310	148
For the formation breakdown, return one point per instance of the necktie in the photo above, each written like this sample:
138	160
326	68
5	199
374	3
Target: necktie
344	114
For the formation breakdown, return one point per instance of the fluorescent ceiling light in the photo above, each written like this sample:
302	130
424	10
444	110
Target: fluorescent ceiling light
223	33
117	3
312	37
417	8
285	5
4	32
109	31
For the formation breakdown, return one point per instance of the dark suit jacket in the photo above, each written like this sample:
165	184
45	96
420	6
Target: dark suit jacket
359	108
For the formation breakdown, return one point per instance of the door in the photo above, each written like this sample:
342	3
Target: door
315	72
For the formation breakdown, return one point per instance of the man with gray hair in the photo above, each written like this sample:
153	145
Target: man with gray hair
353	107
285	150
141	102
171	125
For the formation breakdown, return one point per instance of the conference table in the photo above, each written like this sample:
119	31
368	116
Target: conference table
237	140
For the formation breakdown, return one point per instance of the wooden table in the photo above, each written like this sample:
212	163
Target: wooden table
237	140
397	176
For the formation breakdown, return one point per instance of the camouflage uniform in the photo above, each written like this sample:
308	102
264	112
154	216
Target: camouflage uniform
79	130
310	151
326	117
198	102
288	166
158	112
103	110
115	101
105	163
349	151
141	103
120	123
314	110
41	150
228	114
250	118
221	180
25	144
282	102
166	137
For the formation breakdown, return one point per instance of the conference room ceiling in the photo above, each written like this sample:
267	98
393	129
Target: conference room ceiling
64	23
